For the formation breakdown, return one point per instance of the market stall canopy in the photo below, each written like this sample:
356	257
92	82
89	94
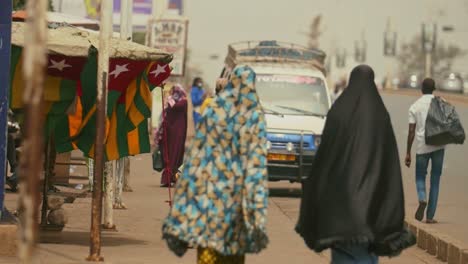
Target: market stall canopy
72	41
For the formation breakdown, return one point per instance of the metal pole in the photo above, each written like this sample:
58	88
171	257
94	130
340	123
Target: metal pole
428	68
101	105
130	19
45	186
109	179
159	8
5	52
31	163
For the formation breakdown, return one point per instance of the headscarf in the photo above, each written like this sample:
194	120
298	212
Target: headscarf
176	93
355	193
221	199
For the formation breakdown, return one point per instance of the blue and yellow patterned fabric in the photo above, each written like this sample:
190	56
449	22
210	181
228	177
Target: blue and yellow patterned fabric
221	199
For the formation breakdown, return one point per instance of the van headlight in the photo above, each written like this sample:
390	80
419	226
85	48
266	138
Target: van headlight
317	141
268	145
290	146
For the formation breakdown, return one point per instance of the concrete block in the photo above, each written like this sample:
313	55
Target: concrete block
422	238
413	229
55	202
432	244
9	240
442	249
464	259
454	254
405	225
455	251
58	217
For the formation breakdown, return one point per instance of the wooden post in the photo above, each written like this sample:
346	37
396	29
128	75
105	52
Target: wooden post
122	171
31	163
101	109
123	177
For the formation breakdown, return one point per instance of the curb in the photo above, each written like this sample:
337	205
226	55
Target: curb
443	247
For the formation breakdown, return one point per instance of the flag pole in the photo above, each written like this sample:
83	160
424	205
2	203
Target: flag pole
35	60
101	106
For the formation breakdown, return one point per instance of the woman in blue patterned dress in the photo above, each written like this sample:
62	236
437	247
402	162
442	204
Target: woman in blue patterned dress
220	202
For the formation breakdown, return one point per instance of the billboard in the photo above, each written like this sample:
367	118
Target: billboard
170	35
177	5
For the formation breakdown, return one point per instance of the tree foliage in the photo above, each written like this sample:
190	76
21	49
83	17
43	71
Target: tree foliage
315	32
21	4
411	57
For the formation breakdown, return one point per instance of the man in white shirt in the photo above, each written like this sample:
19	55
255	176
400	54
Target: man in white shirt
417	123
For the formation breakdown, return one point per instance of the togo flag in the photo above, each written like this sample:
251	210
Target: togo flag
63	75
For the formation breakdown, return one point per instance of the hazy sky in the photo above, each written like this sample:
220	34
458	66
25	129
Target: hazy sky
216	23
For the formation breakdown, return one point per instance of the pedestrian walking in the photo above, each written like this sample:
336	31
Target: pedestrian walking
220	202
198	95
220	83
339	88
424	153
172	133
353	200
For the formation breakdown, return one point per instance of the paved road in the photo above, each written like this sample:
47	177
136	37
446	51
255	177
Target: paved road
452	212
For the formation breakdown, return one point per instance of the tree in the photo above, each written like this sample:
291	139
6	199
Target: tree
315	32
21	4
411	57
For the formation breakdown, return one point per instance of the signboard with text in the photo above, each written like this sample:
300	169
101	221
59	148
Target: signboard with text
170	35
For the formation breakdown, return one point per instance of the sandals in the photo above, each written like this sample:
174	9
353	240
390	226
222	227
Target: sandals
420	212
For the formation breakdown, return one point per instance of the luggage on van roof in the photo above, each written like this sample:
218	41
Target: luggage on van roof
273	51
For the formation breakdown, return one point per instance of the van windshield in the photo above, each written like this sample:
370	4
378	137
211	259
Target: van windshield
293	95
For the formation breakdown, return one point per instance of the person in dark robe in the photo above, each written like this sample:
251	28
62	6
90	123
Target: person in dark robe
353	200
172	133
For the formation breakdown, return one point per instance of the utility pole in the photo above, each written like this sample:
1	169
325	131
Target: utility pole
5	54
101	109
35	61
429	39
390	42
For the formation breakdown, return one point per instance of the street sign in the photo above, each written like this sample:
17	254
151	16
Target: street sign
5	51
170	35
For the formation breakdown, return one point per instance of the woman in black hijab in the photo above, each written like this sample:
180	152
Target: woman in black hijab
353	200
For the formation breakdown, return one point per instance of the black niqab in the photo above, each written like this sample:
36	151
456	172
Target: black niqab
355	191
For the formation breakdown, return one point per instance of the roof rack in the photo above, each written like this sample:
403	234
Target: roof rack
273	51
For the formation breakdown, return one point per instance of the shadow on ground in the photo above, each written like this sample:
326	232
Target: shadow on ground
285	192
82	239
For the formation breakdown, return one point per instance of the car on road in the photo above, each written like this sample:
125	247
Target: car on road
411	81
452	82
294	95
